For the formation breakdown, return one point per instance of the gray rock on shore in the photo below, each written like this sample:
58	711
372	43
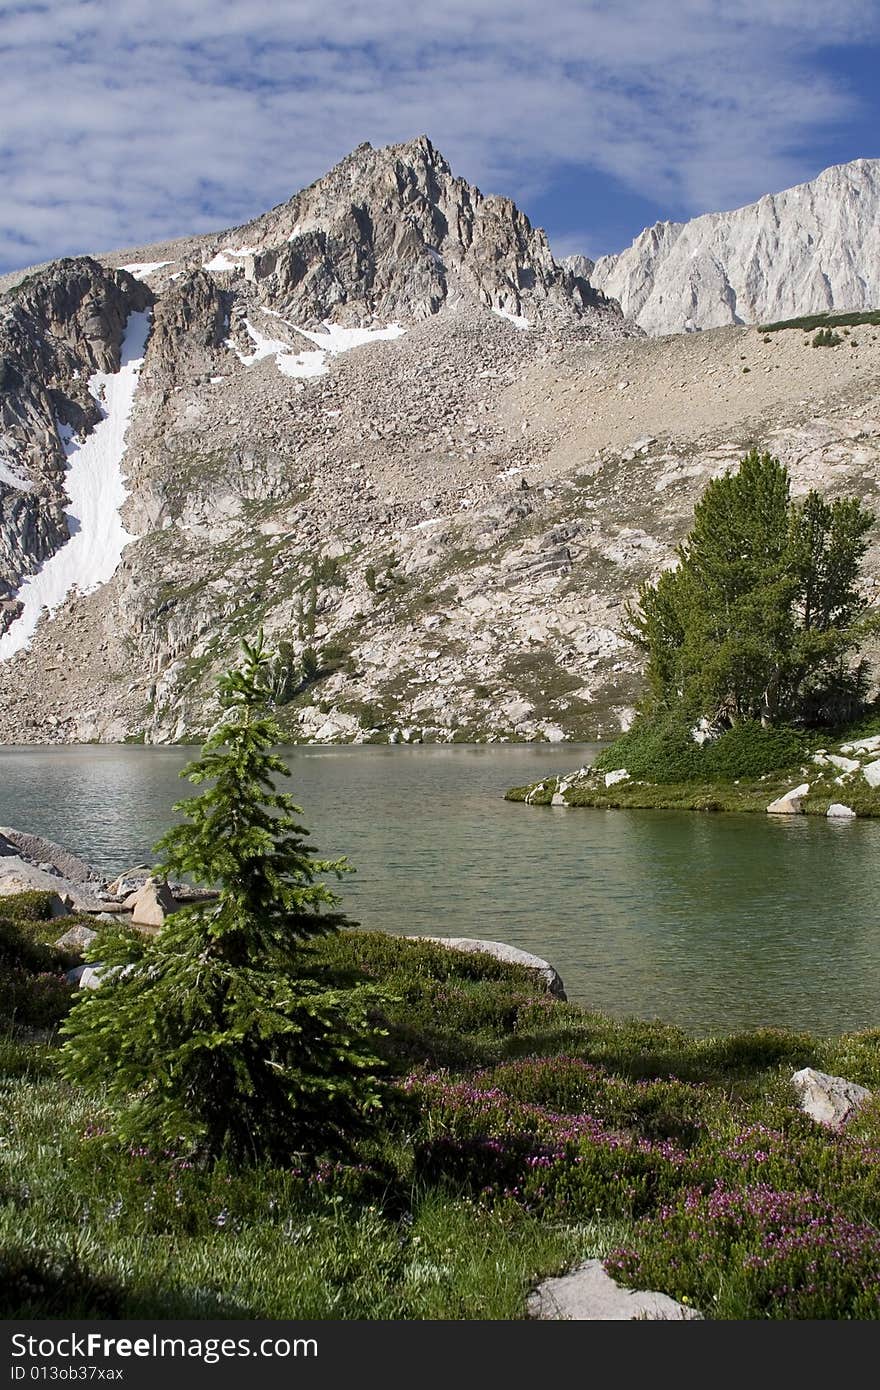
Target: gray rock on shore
510	955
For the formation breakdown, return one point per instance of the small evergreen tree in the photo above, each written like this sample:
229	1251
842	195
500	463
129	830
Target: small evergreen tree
764	608
219	1032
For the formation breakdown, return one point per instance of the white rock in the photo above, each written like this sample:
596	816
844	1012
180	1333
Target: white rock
829	1099
845	764
837	811
619	774
790	804
589	1294
871	774
862	745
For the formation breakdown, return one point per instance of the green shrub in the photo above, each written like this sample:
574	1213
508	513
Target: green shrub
826	337
664	751
34	1000
660	750
32	906
750	750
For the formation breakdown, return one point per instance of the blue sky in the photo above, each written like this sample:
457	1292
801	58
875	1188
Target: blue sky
129	122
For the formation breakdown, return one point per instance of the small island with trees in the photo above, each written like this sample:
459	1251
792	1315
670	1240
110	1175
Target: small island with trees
757	683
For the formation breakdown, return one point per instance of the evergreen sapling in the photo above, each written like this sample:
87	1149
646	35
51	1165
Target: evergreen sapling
221	1034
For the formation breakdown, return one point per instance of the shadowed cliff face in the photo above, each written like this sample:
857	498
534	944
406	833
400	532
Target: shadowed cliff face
56	329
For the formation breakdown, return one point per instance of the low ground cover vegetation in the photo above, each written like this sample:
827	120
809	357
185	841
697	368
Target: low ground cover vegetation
518	1134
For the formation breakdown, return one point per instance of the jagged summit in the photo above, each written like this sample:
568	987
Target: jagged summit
808	249
391	233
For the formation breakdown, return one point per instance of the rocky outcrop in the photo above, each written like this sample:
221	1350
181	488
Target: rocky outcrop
392	234
830	1100
57	328
809	249
489	494
51	857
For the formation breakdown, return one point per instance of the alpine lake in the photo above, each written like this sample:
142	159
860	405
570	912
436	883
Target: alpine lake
714	922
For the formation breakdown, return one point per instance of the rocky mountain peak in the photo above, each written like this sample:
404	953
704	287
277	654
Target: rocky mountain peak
393	234
811	248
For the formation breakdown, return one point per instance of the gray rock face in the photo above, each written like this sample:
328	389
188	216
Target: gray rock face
830	1100
393	234
589	1294
808	249
56	328
511	955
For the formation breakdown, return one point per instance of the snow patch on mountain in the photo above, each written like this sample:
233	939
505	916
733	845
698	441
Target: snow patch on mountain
333	340
141	270
518	320
97	489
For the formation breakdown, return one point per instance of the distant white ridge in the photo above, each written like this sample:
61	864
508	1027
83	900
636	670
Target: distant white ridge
96	487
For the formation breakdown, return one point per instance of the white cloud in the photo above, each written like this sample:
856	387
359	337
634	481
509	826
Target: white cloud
125	124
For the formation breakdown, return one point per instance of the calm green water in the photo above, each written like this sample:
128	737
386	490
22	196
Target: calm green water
715	922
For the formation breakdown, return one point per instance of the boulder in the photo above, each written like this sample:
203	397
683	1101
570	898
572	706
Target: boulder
77	938
85	976
152	904
837	811
871	774
790	804
45	853
843	764
619	774
862	745
129	881
17	875
589	1294
830	1100
510	955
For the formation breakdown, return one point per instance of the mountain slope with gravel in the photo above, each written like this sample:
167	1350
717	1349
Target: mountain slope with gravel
385	424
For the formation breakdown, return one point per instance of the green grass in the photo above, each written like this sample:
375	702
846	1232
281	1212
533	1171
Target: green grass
520	1135
826	320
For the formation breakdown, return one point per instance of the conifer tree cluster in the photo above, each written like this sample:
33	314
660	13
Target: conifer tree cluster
220	1034
761	616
